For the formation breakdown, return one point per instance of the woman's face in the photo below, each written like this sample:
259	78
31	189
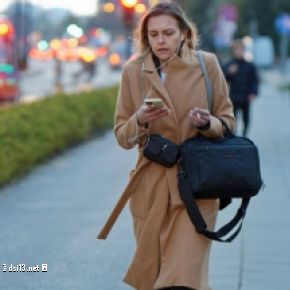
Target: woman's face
164	36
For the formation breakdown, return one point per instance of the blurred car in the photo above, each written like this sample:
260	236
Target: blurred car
8	70
40	55
8	82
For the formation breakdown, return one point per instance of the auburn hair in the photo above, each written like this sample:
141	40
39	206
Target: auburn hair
171	8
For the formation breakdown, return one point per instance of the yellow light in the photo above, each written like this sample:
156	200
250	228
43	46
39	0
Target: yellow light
86	54
61	55
129	3
114	59
140	8
55	44
88	57
109	7
72	43
153	2
3	28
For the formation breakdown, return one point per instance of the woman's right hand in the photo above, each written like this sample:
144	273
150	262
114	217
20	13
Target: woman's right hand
149	113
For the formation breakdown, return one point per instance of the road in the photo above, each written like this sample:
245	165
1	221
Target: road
39	79
52	215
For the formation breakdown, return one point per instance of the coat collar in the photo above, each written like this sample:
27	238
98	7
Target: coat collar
151	77
176	64
186	59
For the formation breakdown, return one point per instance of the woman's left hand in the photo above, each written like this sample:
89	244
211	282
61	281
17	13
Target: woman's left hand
199	117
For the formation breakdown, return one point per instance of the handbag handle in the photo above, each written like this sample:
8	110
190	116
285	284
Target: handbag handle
198	220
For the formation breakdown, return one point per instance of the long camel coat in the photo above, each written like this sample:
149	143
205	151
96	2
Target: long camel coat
169	252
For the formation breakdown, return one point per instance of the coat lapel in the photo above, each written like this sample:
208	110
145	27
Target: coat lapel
152	82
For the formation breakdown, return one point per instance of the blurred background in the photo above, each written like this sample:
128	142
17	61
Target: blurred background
68	47
60	64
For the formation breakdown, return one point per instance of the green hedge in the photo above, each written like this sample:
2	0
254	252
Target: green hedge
30	133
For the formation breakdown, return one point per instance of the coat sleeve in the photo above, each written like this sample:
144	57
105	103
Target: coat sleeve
221	104
126	129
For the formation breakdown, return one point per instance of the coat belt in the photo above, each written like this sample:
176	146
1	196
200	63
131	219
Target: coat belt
125	196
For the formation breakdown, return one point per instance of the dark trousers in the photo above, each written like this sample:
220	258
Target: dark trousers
245	108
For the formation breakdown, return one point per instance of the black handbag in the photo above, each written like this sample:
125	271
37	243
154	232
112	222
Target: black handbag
161	150
218	168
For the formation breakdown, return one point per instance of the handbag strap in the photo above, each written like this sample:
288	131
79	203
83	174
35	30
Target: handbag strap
208	86
198	220
206	78
186	194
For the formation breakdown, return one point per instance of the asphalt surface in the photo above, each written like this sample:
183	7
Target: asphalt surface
38	80
52	215
260	257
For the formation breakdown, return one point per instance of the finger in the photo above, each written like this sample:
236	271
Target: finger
161	115
158	115
158	111
197	109
198	116
195	121
148	108
194	117
202	111
204	118
198	121
202	123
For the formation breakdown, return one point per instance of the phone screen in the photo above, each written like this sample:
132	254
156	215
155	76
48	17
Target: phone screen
156	102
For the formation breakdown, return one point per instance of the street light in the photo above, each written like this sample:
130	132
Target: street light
129	4
109	7
4	29
128	10
128	14
153	2
140	8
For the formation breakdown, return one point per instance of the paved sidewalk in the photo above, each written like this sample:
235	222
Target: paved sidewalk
260	258
52	216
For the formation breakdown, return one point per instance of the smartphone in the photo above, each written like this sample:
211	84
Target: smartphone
155	102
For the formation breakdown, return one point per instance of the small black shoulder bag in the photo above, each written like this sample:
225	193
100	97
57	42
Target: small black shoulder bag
218	168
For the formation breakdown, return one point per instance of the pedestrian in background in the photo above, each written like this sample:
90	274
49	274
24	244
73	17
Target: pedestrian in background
169	254
243	81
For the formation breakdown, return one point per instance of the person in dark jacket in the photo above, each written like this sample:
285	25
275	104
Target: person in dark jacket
243	81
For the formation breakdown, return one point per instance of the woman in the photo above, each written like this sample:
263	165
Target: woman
170	254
